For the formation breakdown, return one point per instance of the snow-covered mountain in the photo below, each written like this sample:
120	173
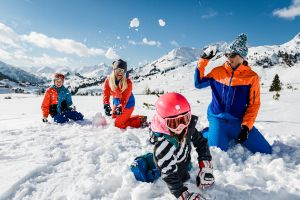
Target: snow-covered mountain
82	80
286	54
176	58
47	72
87	79
94	71
18	75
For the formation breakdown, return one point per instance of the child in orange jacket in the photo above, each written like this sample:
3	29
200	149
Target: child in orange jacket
119	86
58	101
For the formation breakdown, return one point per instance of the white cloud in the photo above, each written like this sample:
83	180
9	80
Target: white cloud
18	49
174	43
161	22
118	37
46	60
111	54
134	23
289	12
67	46
151	42
132	42
145	41
8	36
4	55
210	14
20	58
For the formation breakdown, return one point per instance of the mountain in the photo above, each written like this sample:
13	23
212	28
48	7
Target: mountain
47	72
287	54
87	79
94	71
175	58
18	75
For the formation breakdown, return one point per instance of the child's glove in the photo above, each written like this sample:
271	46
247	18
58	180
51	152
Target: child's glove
205	176
190	196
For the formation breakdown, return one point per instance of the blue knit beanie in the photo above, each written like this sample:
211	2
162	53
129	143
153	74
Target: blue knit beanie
239	46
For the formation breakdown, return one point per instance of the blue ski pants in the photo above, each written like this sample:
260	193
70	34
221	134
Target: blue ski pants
64	117
221	131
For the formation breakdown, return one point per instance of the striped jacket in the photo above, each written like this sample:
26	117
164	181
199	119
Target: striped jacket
174	159
234	92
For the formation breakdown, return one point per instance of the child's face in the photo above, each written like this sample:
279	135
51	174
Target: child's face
58	82
179	137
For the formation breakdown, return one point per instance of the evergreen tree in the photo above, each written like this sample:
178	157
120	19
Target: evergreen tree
276	85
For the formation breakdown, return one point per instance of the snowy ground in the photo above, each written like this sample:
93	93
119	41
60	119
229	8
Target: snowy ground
88	161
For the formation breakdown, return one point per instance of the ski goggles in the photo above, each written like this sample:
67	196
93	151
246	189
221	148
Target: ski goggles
178	123
231	55
118	70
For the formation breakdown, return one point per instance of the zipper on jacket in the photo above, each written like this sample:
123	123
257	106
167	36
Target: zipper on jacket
229	88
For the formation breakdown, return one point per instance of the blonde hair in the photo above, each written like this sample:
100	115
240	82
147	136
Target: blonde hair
122	84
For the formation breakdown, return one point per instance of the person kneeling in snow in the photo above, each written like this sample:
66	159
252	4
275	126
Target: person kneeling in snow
235	99
172	132
118	85
57	102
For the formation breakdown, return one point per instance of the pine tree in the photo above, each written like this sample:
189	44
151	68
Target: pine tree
276	85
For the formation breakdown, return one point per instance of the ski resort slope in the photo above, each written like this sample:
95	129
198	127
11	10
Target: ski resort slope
87	160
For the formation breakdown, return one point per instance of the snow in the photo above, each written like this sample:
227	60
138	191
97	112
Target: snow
91	159
111	54
135	23
162	22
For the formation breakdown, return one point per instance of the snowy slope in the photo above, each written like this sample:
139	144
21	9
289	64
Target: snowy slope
88	161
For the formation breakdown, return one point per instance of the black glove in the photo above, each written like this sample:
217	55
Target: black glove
107	109
118	111
64	106
53	110
209	55
45	120
243	136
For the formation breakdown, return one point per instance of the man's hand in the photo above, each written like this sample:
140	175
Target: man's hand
243	136
209	53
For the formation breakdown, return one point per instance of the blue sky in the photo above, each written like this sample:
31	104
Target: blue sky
87	32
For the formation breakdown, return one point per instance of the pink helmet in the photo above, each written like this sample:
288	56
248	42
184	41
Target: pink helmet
172	104
169	105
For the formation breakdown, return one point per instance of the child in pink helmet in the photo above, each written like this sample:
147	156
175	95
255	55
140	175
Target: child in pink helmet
173	130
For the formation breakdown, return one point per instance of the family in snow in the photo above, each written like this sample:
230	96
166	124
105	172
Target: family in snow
231	115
